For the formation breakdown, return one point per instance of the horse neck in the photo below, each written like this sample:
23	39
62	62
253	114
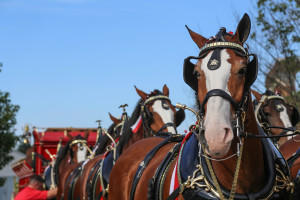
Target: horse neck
134	137
251	174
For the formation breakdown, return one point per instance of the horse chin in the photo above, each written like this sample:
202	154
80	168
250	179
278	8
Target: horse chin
218	153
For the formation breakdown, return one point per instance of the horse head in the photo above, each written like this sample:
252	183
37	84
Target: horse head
78	147
158	112
221	79
272	110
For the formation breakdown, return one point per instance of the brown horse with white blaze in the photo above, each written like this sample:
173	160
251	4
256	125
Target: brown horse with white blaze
216	160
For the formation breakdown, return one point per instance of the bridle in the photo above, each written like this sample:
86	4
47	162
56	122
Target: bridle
83	142
262	119
217	44
147	115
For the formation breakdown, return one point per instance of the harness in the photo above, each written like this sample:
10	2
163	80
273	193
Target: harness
210	186
97	170
196	181
147	116
148	158
108	160
73	176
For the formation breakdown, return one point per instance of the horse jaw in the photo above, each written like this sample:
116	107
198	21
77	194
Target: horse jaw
81	154
218	131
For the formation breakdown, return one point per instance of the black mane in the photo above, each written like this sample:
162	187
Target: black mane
104	140
61	155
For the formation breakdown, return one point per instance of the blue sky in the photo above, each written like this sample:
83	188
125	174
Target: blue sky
70	62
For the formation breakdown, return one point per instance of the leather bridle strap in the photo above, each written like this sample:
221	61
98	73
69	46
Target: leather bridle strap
250	135
144	115
220	93
167	125
282	133
262	100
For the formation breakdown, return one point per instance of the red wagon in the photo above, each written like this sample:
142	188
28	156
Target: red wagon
44	149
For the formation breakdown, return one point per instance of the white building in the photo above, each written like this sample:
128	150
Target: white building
11	177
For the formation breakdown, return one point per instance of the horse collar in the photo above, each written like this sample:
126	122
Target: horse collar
189	167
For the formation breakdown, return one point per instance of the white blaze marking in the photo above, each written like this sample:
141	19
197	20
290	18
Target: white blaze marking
217	79
167	116
285	120
81	154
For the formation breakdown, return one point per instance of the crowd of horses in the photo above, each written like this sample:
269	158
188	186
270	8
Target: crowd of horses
237	149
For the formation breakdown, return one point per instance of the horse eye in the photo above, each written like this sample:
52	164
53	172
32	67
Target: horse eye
242	71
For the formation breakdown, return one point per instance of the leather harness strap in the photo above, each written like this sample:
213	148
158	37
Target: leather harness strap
89	185
147	160
154	186
293	158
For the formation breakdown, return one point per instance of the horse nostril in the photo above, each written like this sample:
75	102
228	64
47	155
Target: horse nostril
227	136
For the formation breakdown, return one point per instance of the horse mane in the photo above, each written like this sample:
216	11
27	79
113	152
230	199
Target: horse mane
61	155
126	135
104	139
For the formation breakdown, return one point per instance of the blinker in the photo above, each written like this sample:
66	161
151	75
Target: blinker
165	105
278	106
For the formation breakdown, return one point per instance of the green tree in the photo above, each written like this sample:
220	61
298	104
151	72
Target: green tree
276	38
8	139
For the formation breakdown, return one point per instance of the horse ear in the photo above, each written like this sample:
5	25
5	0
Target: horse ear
142	94
243	30
86	134
115	120
257	95
166	90
198	39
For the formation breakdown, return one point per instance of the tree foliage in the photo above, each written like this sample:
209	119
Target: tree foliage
276	39
8	139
